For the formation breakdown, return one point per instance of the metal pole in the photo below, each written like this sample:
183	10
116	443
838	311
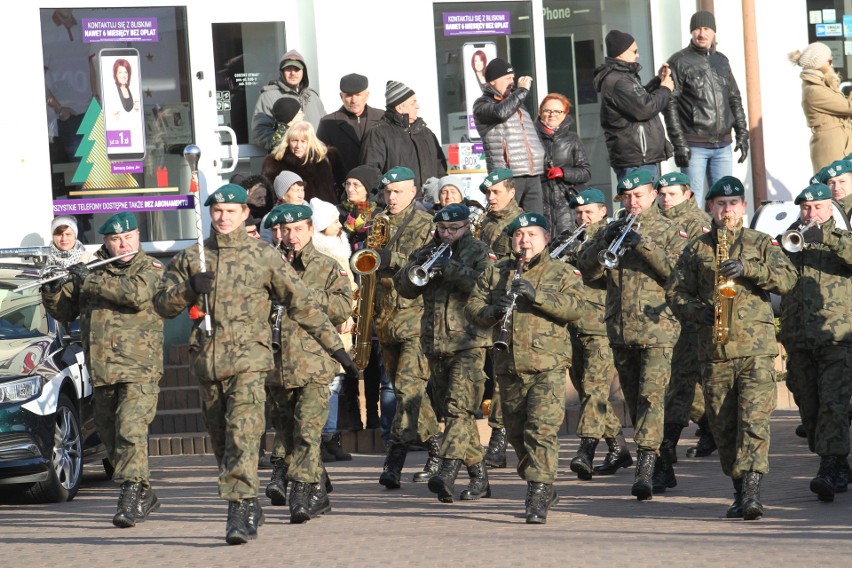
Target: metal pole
192	154
755	108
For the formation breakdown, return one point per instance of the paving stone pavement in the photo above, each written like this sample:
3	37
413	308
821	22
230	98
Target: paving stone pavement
596	523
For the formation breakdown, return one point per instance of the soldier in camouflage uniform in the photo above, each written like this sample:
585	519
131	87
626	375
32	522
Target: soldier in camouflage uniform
499	190
123	341
592	367
838	177
299	385
738	376
398	329
231	364
546	295
816	331
455	347
641	328
684	397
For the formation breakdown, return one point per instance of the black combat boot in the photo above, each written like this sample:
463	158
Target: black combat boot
617	457
752	507
643	488
277	488
495	455
826	478
333	445
540	498
443	483
128	505
325	455
582	462
148	503
254	517
478	486
320	504
706	443
237	531
300	502
801	432
326	481
841	480
664	476
735	511
433	463
392	470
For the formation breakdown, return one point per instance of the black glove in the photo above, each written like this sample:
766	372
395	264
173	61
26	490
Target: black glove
613	230
631	240
524	289
384	258
443	261
709	316
503	303
682	155
202	282
813	234
54	286
349	366
732	268
421	255
742	146
79	271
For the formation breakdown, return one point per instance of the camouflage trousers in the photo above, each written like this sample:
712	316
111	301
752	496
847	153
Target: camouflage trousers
408	372
533	410
234	413
591	374
821	382
298	417
458	383
644	376
740	395
684	396
123	412
495	417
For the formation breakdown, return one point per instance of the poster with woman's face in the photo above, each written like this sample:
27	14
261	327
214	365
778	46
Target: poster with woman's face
121	97
475	56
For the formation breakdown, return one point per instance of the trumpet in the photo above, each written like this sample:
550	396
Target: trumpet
56	274
794	239
420	275
502	341
287	251
572	241
609	258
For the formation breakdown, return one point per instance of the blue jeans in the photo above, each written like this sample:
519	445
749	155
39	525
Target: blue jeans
333	396
387	406
709	163
622	172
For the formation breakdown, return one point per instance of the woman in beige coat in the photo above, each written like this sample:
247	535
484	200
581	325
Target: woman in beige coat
827	110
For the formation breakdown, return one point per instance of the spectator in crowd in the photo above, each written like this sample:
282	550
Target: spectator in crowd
286	111
65	249
261	197
438	193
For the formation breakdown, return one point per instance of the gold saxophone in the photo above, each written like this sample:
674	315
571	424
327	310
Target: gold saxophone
365	263
476	222
724	291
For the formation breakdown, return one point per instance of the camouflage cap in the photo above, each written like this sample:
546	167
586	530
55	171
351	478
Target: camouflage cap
393	175
453	212
229	193
123	222
726	186
634	179
834	169
590	195
814	192
672	178
495	176
528	219
287	213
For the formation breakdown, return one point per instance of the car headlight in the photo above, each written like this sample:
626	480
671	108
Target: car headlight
20	390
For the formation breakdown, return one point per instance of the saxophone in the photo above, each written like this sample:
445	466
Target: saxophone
477	220
365	263
724	290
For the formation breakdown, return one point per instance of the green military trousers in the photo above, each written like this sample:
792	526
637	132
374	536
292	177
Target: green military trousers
408	372
298	417
592	372
644	375
684	397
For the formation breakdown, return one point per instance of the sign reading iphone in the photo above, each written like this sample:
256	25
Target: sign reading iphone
121	94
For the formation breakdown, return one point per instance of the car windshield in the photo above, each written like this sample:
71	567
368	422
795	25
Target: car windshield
21	314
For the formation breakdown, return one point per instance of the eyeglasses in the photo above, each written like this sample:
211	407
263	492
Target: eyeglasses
551	111
446	229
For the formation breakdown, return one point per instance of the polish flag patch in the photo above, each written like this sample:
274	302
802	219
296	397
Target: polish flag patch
156	264
682	234
775	242
492	256
705	230
344	273
577	272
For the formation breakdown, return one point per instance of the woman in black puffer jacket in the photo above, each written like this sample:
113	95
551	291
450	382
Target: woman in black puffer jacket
565	162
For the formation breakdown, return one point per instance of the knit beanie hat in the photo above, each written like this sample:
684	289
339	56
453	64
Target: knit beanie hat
702	19
396	93
57	222
285	109
617	43
324	213
283	181
369	176
497	68
815	56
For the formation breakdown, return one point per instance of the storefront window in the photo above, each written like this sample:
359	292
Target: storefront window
118	117
830	22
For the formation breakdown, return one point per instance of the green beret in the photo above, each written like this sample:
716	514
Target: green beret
527	219
834	169
814	192
590	195
726	186
123	222
453	212
287	213
819	176
230	193
495	176
672	178
633	180
393	175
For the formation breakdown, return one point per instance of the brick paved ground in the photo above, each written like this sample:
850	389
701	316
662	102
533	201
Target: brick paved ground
596	523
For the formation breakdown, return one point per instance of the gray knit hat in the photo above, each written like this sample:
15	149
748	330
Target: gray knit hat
815	56
396	93
283	181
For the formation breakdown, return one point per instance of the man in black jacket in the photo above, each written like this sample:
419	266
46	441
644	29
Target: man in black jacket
704	107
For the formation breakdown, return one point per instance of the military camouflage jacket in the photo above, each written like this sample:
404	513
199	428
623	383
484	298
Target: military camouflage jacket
122	334
594	291
818	310
492	231
444	329
636	311
249	275
538	338
691	289
302	360
397	317
846	205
